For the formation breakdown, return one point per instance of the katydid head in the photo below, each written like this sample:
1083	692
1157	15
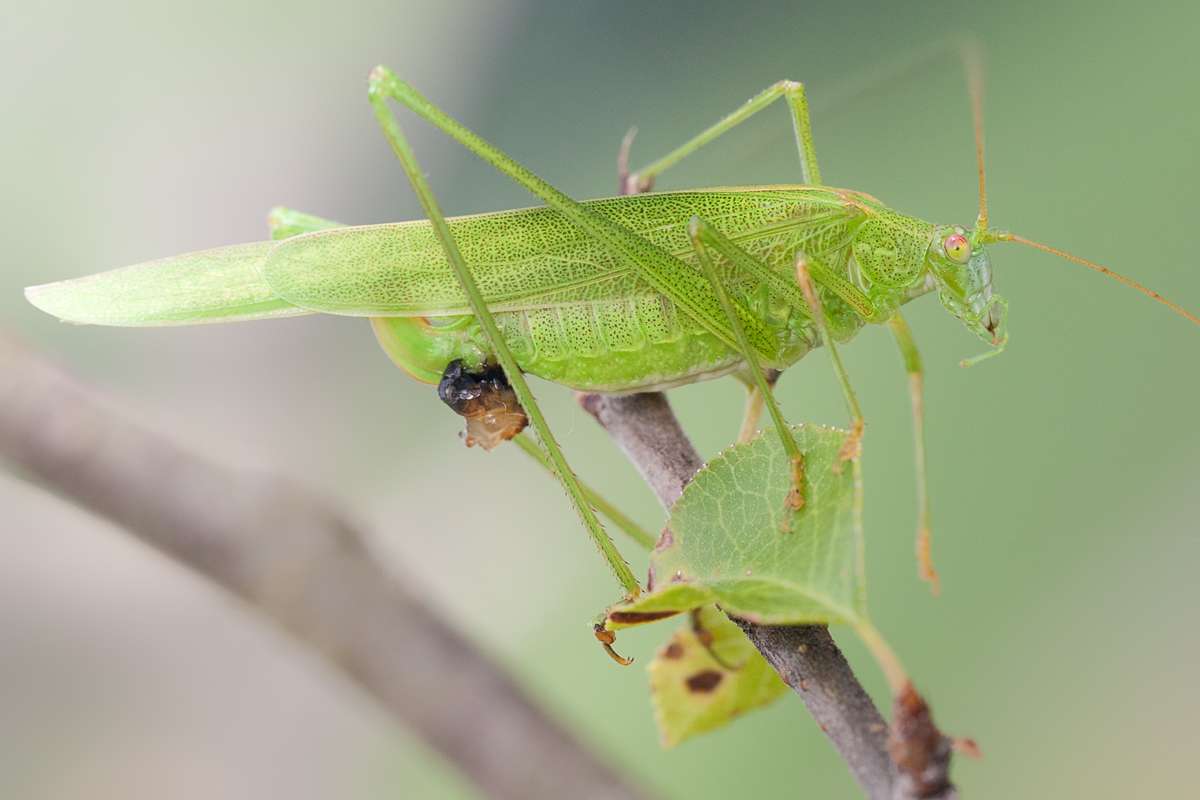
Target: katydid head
962	271
958	258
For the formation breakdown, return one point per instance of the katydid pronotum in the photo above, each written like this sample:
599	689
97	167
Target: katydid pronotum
639	292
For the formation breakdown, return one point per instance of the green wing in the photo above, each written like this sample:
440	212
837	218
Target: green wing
220	285
530	258
525	259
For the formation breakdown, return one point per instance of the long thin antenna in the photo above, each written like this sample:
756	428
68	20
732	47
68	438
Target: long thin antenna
971	52
1009	237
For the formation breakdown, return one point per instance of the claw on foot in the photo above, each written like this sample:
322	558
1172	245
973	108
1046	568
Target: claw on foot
795	496
852	447
606	639
925	560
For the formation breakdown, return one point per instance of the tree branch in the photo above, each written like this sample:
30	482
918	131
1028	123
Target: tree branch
300	562
297	560
805	656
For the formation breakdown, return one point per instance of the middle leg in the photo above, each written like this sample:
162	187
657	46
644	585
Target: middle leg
701	233
912	364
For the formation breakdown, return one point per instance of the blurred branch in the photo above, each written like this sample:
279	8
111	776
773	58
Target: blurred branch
299	561
303	564
805	656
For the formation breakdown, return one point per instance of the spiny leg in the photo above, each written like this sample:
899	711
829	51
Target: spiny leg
912	363
285	222
847	292
701	233
617	517
631	183
634	183
382	86
852	447
643	181
791	90
710	237
831	280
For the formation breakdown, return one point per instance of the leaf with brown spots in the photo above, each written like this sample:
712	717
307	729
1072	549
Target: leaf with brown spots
698	688
725	544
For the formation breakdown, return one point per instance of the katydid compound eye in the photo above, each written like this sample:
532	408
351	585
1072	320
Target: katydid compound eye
957	248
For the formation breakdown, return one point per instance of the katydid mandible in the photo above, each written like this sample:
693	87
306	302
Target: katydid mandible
640	292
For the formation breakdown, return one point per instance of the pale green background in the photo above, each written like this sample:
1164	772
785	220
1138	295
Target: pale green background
1064	473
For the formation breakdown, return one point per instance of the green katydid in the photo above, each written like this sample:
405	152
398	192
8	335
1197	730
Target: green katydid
639	292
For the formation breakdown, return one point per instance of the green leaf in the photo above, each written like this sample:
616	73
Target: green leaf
725	540
698	688
726	543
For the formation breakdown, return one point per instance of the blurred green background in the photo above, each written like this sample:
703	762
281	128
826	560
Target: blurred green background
1064	473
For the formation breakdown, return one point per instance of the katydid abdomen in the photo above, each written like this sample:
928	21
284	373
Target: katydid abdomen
612	347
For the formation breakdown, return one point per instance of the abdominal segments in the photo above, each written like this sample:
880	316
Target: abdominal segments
590	330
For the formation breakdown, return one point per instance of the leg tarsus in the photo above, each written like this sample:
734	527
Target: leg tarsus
795	497
851	448
606	639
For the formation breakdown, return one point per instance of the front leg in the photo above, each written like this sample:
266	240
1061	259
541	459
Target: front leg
701	232
852	448
384	84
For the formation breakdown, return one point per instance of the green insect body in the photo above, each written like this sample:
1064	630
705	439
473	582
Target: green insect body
570	311
604	329
632	293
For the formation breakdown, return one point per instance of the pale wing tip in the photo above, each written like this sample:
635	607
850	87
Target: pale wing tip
76	301
49	297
